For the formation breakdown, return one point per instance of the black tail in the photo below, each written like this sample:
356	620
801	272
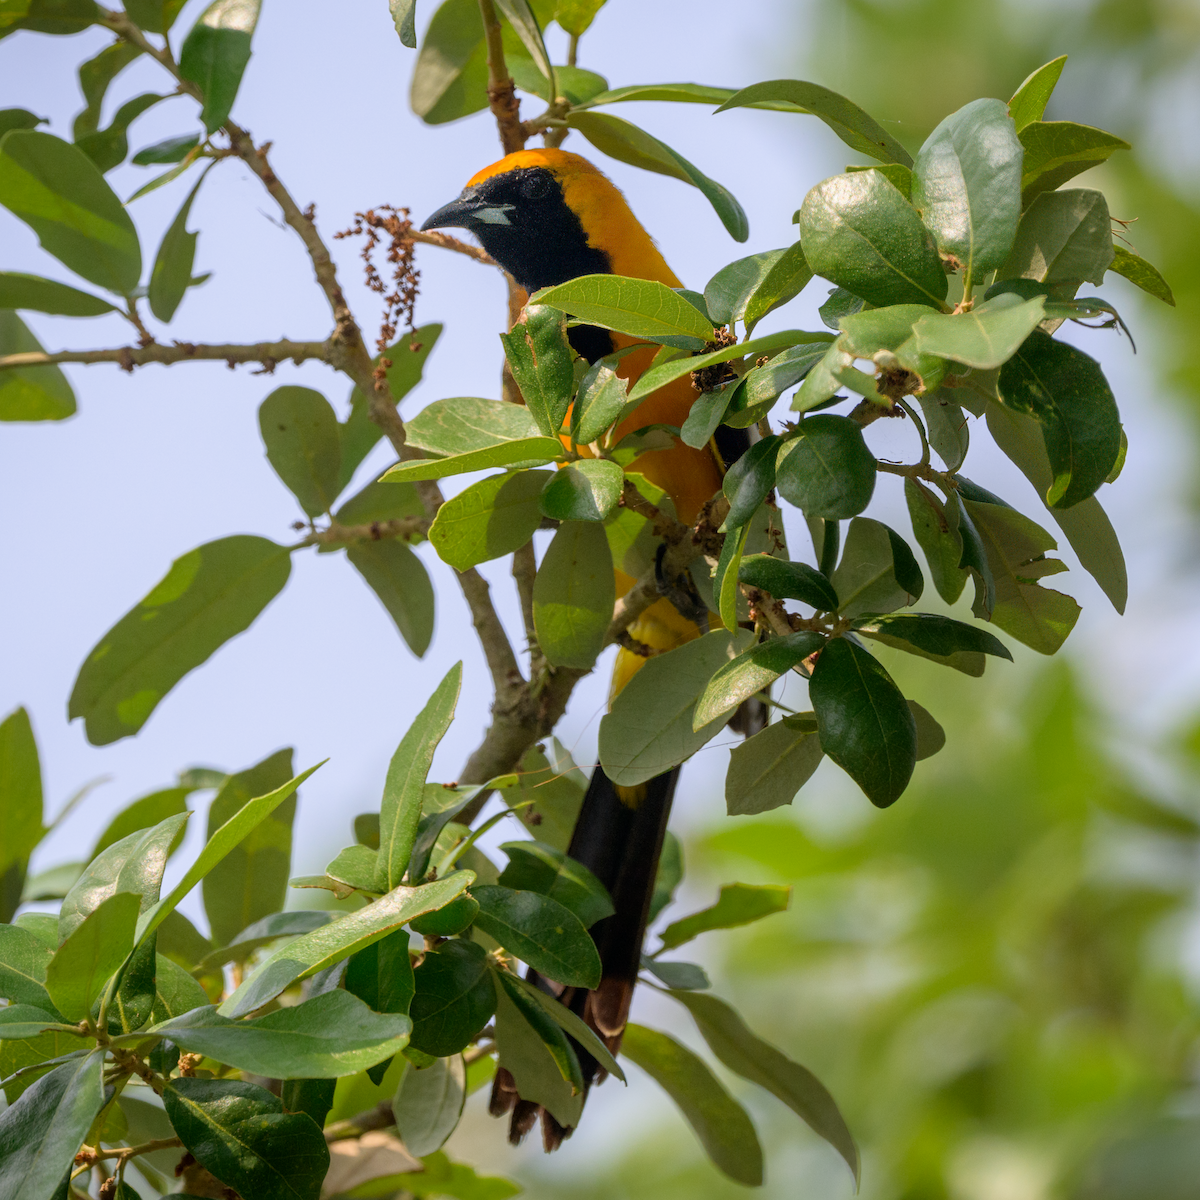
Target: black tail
618	837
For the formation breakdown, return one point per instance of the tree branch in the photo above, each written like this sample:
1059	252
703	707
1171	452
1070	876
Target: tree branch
128	357
502	92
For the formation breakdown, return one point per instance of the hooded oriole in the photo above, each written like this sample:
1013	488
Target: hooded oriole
547	216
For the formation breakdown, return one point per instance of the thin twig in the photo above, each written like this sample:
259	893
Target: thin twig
502	92
335	534
127	357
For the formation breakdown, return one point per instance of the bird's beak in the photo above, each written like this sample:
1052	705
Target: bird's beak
469	211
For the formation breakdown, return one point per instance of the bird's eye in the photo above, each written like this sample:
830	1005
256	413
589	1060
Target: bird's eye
535	185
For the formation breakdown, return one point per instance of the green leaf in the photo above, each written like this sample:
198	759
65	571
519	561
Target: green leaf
599	402
864	723
141	814
973	556
21	1021
751	672
1085	524
900	177
404	16
1056	151
1030	99
250	883
859	232
788	581
574	83
737	904
704	416
382	975
458	916
649	730
758	1061
42	1132
668	877
107	148
58	17
48	296
683	976
30	393
313	952
95	77
358	433
555	790
844	117
540	358
1141	273
176	992
826	469
382	502
332	1035
1016	555
748	289
91	954
725	576
166	177
573	595
300	431
404	789
535	1051
680	93
463	424
455	997
398	577
19	118
986	337
941	639
931	737
938	538
154	16
210	595
541	932
429	1103
451	65
23	961
219	844
587	490
169	150
1064	238
242	1135
215	54
765	384
878	572
533	451
643	308
967	186
51	884
20	794
945	426
721	1124
768	769
628	143
748	481
526	27
537	867
173	266
56	190
1066	393
269	929
440	804
576	16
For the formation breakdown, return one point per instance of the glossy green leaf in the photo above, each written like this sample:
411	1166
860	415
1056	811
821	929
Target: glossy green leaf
788	581
20	798
331	1035
748	481
355	866
404	16
704	416
640	307
263	933
573	595
250	882
765	384
864	723
175	262
748	289
242	1135
967	186
1065	237
404	789
23	961
49	296
599	402
141	814
300	431
942	639
91	954
938	538
215	54
382	975
1030	99
455	997
931	737
758	1061
169	150
540	359
533	451
721	1124
1065	391
42	1132
844	117
1056	151
875	574
1016	554
859	232
458	916
768	769
1085	524
463	424
536	867
628	143
56	189
986	337
751	671
313	952
428	1104
738	904
210	595
30	393
398	577
1141	273
535	1051
541	932
219	844
649	730
587	490
826	470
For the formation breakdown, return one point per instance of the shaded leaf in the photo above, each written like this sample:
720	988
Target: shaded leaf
91	954
986	337
455	997
20	793
1065	237
752	671
428	1104
878	572
141	814
404	16
573	595
30	393
738	904
826	469
938	538
1056	151
767	770
540	359
300	432
536	867
1141	273
169	150
534	451
263	933
23	961
587	490
174	264
49	296
398	577
215	54
941	639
